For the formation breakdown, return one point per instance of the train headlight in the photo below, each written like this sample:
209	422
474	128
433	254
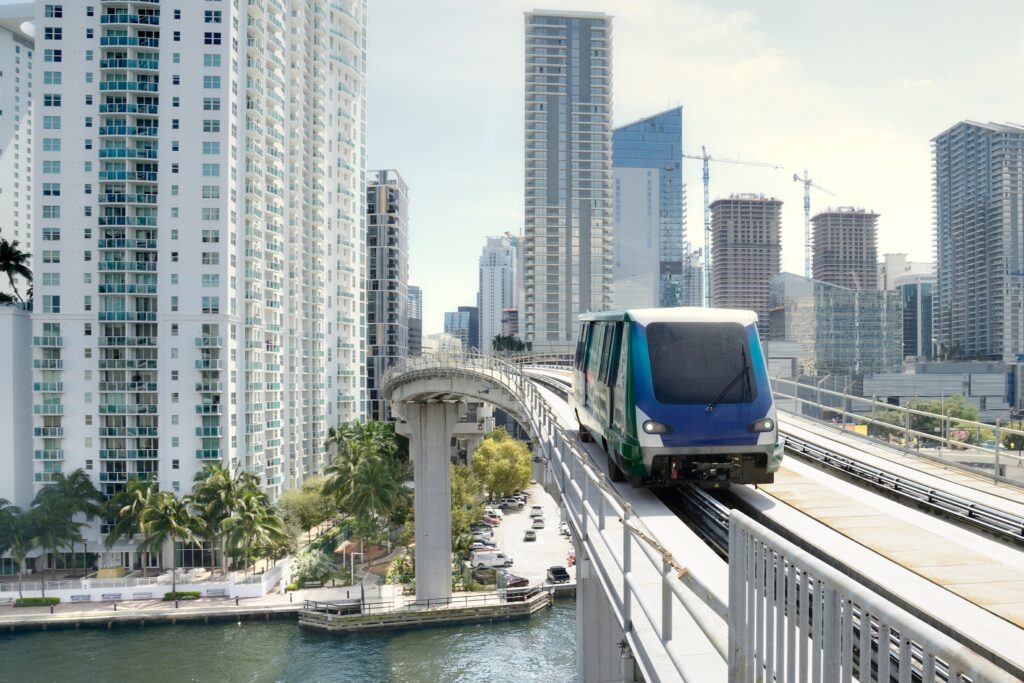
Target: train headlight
764	425
652	427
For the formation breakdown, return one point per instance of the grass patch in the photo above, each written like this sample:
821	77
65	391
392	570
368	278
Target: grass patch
181	595
36	602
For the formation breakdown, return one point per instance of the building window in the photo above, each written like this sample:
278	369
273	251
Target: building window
211	191
51	303
212	60
211	236
210	280
211	125
51	100
209	170
51	123
211	38
211	214
53	33
211	82
211	104
211	258
211	304
211	147
51	189
51	167
51	256
53	11
53	56
211	16
52	78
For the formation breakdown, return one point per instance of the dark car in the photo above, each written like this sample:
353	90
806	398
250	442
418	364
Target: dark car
513	581
558	575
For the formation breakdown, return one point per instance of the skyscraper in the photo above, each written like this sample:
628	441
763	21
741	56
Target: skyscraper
745	249
387	282
16	139
652	261
979	230
201	199
498	285
917	290
415	317
459	324
893	265
846	247
567	242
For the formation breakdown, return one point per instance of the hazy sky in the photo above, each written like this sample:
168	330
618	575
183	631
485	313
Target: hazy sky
852	91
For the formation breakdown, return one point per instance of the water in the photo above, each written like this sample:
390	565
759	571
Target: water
540	649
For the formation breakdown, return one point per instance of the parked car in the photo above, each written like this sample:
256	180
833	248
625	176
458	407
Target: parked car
571	559
513	502
490	521
494	512
536	511
529	535
483	535
563	529
513	581
482	545
538	523
491	560
558	575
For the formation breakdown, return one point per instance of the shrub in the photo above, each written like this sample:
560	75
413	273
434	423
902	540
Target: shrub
181	595
293	586
36	602
312	565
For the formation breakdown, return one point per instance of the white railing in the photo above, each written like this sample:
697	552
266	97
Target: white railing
960	443
626	556
793	617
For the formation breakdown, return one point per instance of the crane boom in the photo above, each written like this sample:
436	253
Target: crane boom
808	184
706	176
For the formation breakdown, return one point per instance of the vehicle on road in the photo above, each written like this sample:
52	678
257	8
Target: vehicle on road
482	545
538	523
483	535
513	581
491	560
490	521
536	511
512	503
529	535
563	529
558	575
494	512
677	394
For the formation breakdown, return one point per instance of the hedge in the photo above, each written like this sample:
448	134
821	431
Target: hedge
36	602
181	595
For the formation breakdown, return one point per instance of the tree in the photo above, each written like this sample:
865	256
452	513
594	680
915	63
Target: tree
312	565
54	527
215	494
307	506
252	523
366	473
167	518
14	263
502	464
17	537
125	510
507	344
79	495
467	508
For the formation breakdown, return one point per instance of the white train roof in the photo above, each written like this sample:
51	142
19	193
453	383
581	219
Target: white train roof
646	316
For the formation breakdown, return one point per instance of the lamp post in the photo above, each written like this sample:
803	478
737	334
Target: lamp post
821	412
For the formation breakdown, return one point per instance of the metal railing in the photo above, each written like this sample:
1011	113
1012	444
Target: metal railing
626	556
356	606
965	444
794	617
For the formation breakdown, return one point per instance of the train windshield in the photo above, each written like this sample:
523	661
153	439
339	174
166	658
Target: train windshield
700	362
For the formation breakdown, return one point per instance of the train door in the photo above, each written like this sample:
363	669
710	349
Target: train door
602	388
592	367
619	376
579	385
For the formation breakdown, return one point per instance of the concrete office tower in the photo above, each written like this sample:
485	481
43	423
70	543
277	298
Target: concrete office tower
510	322
201	296
387	282
16	140
498	285
893	265
917	292
414	312
846	247
979	228
652	261
567	242
745	248
15	408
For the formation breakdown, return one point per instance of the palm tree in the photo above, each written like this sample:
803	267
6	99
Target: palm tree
253	522
125	509
14	263
375	490
78	493
167	518
54	526
17	536
215	494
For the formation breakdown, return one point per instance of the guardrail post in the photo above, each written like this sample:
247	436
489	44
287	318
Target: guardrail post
666	602
995	470
627	565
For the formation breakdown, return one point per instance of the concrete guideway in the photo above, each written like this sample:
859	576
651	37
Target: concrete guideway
975	486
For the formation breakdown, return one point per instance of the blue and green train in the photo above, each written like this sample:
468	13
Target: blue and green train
677	394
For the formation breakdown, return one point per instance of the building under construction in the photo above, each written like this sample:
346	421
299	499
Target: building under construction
846	247
745	249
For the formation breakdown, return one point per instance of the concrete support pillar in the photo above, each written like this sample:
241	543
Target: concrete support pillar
431	426
599	658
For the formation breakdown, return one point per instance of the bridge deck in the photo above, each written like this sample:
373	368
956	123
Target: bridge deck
976	487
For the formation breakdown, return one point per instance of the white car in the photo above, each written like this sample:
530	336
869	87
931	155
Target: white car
536	511
491	560
494	511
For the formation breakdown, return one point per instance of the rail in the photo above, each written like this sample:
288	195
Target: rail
965	440
792	614
355	606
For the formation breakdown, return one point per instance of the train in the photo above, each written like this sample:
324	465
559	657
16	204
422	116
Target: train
677	395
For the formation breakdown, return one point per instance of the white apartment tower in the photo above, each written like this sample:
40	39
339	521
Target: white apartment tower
498	285
567	240
200	207
16	48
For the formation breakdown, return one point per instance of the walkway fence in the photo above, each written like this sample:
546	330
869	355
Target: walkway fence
793	617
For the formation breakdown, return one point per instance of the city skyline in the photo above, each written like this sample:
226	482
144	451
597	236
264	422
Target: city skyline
713	61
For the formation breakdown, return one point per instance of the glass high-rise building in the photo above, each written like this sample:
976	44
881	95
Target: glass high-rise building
567	240
387	282
917	291
498	285
979	226
652	264
415	319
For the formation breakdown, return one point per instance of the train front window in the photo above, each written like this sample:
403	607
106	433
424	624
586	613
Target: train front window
697	362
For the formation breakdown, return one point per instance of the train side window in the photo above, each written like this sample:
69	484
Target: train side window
594	349
581	347
608	333
613	357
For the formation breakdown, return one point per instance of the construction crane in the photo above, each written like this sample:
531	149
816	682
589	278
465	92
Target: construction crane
707	158
808	184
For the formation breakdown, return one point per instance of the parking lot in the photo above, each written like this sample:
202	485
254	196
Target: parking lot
532	558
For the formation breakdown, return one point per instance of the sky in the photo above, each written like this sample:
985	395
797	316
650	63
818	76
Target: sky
853	92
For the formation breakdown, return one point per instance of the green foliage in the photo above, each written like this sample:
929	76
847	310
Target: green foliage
467	506
312	565
293	586
36	602
181	595
401	570
502	464
307	506
13	263
507	344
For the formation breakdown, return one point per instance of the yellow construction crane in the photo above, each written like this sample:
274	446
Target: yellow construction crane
707	158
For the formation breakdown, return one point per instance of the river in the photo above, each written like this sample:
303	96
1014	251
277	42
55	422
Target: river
541	649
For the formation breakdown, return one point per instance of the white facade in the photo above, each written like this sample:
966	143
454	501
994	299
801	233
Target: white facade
202	297
16	47
637	222
498	285
893	266
15	409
